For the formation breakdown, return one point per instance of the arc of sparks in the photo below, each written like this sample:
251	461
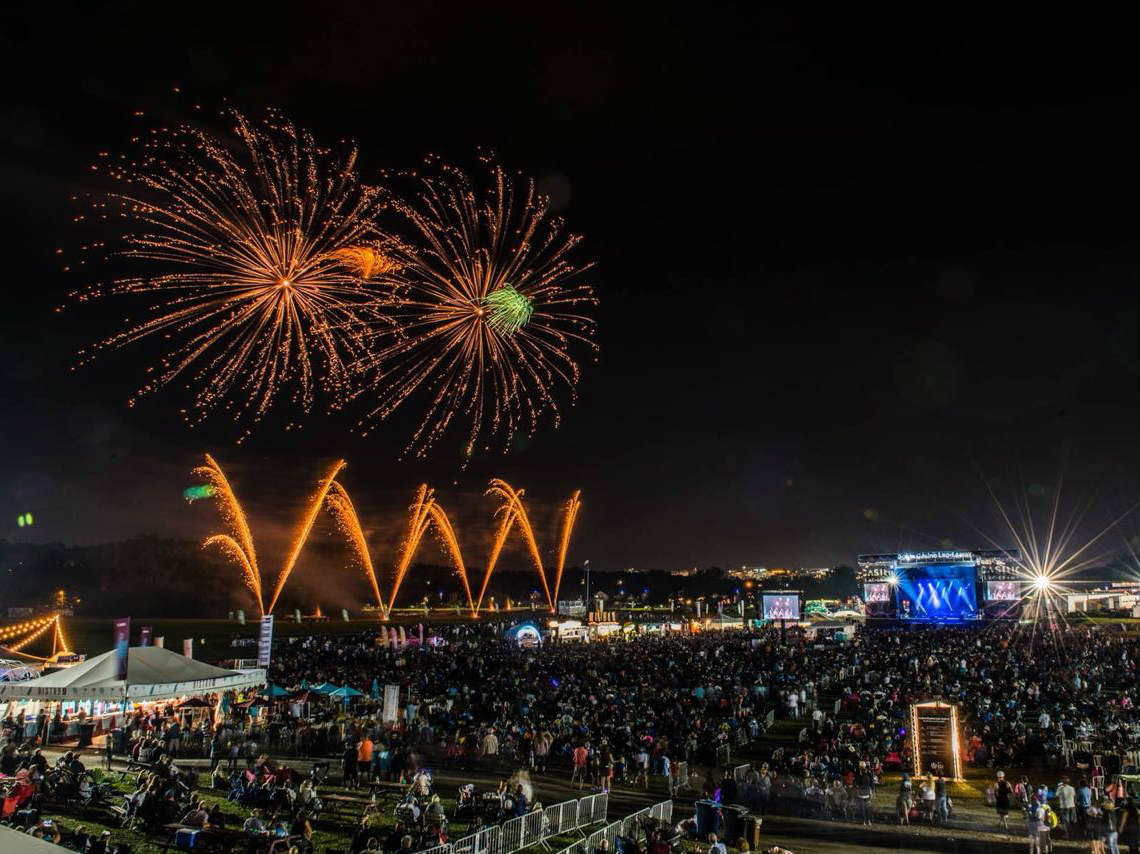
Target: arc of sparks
518	516
232	549
424	513
345	513
569	517
240	544
506	522
303	531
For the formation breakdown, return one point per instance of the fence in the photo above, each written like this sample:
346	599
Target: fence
530	829
536	827
723	755
593	809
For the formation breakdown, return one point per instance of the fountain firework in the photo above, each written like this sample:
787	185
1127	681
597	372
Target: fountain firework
425	514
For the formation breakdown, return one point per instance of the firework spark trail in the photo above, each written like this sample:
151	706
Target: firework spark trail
569	517
305	528
345	513
506	515
260	263
240	544
427	513
417	527
518	515
446	534
488	308
230	547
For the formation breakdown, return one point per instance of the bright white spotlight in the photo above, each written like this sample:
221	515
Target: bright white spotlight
1042	582
893	580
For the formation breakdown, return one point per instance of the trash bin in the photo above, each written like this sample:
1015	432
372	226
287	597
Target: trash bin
734	823
708	815
86	730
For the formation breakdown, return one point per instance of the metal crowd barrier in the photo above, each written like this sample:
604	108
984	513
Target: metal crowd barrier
740	772
593	809
486	841
770	718
722	755
535	827
530	829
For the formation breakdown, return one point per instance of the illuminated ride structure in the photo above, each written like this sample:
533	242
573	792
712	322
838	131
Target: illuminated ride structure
952	586
14	638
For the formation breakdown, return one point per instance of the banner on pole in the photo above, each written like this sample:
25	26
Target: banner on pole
391	704
144	636
265	643
188	647
122	644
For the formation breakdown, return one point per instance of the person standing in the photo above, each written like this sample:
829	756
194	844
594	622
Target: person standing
364	758
1042	815
1128	825
1067	805
1104	826
578	770
1084	803
905	799
941	800
1002	793
1033	825
349	767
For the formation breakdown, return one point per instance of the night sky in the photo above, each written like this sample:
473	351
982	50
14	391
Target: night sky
851	267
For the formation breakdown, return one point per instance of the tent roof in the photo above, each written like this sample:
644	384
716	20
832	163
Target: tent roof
14	842
153	673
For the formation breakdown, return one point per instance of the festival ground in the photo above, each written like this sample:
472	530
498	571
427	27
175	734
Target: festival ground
971	829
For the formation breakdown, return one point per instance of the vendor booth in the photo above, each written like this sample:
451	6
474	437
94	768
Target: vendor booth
91	694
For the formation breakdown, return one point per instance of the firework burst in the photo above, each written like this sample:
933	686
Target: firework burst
257	261
489	312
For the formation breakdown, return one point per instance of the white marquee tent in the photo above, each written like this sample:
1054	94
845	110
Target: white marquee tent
153	673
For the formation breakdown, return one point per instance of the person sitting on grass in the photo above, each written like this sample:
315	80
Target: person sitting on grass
80	838
100	844
196	816
254	825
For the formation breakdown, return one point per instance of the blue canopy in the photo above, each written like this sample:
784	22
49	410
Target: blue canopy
324	687
375	689
272	690
346	692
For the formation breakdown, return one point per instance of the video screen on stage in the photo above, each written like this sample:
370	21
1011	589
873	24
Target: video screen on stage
876	591
781	606
1003	591
937	592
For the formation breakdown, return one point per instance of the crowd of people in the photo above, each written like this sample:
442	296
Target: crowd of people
646	712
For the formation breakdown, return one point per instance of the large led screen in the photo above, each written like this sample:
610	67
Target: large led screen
781	606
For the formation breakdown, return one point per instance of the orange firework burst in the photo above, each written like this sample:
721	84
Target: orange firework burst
489	310
258	264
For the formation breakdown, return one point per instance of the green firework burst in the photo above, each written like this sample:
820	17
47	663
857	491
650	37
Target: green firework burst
509	310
